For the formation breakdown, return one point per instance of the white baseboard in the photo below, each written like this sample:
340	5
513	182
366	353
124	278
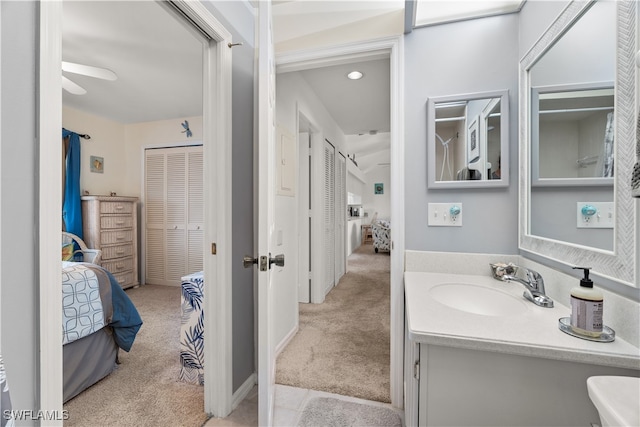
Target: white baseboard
243	391
285	341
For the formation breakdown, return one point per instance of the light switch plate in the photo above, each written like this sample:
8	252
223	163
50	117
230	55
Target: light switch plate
440	215
603	218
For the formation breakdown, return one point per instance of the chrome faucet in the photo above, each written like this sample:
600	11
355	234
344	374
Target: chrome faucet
535	287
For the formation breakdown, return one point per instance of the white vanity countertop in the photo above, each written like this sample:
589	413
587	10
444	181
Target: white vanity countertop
533	333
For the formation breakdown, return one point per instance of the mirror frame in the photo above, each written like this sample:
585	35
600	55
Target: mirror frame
619	265
432	183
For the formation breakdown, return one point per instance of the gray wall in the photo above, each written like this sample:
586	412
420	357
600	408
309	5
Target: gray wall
535	17
19	201
240	23
464	57
555	215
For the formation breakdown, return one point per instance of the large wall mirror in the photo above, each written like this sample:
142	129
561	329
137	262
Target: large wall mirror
577	133
467	138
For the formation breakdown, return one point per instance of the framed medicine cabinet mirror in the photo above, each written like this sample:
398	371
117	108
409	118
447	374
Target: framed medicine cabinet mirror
577	137
467	138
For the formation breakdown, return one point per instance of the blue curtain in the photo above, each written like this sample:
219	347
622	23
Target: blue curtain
72	209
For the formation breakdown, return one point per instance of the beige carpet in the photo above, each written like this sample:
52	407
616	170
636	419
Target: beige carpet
343	345
144	390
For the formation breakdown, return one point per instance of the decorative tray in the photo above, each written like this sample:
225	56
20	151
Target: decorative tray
608	334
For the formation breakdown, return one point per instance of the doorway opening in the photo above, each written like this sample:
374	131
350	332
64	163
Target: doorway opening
395	185
216	124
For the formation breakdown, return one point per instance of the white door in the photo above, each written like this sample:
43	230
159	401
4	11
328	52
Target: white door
265	186
304	207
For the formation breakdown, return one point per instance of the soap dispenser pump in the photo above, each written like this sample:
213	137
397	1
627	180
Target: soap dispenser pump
586	307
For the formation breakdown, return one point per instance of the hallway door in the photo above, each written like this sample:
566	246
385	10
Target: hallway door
268	277
304	218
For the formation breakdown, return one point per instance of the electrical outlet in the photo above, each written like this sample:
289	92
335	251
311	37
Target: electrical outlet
445	215
594	214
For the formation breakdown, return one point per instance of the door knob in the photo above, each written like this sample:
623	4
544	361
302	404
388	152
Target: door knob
277	260
248	261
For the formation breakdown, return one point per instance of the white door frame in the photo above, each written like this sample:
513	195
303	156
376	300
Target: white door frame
392	48
217	154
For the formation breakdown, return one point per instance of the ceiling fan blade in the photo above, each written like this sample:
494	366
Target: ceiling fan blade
71	87
88	70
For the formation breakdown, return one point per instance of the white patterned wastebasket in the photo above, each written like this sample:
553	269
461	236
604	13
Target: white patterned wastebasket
192	329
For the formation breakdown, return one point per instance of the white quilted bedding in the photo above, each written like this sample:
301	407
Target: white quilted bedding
82	311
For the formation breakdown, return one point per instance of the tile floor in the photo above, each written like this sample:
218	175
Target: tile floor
289	404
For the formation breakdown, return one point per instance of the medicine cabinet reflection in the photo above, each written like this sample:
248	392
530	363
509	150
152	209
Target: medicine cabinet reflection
572	135
467	139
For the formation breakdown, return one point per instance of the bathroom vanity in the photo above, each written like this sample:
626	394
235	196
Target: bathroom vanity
477	353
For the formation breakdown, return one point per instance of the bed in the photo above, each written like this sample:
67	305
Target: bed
98	320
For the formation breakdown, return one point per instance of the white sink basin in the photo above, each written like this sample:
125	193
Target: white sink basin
478	299
617	399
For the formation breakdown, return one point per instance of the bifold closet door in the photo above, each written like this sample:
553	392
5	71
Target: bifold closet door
174	214
329	215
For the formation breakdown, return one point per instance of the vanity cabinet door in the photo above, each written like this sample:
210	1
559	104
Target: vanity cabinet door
461	386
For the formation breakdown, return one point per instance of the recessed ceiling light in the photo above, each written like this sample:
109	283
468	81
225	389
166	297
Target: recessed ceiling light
355	75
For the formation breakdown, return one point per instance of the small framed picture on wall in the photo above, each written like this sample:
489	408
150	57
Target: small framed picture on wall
473	143
97	164
378	188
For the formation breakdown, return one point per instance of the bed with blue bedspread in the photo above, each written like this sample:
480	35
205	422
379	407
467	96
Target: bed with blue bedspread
98	319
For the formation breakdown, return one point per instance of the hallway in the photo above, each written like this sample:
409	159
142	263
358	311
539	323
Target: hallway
342	345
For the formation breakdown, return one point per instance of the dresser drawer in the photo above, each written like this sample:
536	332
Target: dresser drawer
110	252
119	265
116	236
107	222
116	207
125	279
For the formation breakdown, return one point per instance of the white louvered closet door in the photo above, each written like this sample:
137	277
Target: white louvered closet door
175	231
174	214
154	203
341	215
329	216
195	212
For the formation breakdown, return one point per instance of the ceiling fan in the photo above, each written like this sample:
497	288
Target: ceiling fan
85	70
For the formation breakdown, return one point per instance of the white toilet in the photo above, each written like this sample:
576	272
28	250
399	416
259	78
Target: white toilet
617	400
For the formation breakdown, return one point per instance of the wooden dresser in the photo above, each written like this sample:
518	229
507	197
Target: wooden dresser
110	223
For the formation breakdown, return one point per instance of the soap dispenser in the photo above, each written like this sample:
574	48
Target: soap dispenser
586	307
